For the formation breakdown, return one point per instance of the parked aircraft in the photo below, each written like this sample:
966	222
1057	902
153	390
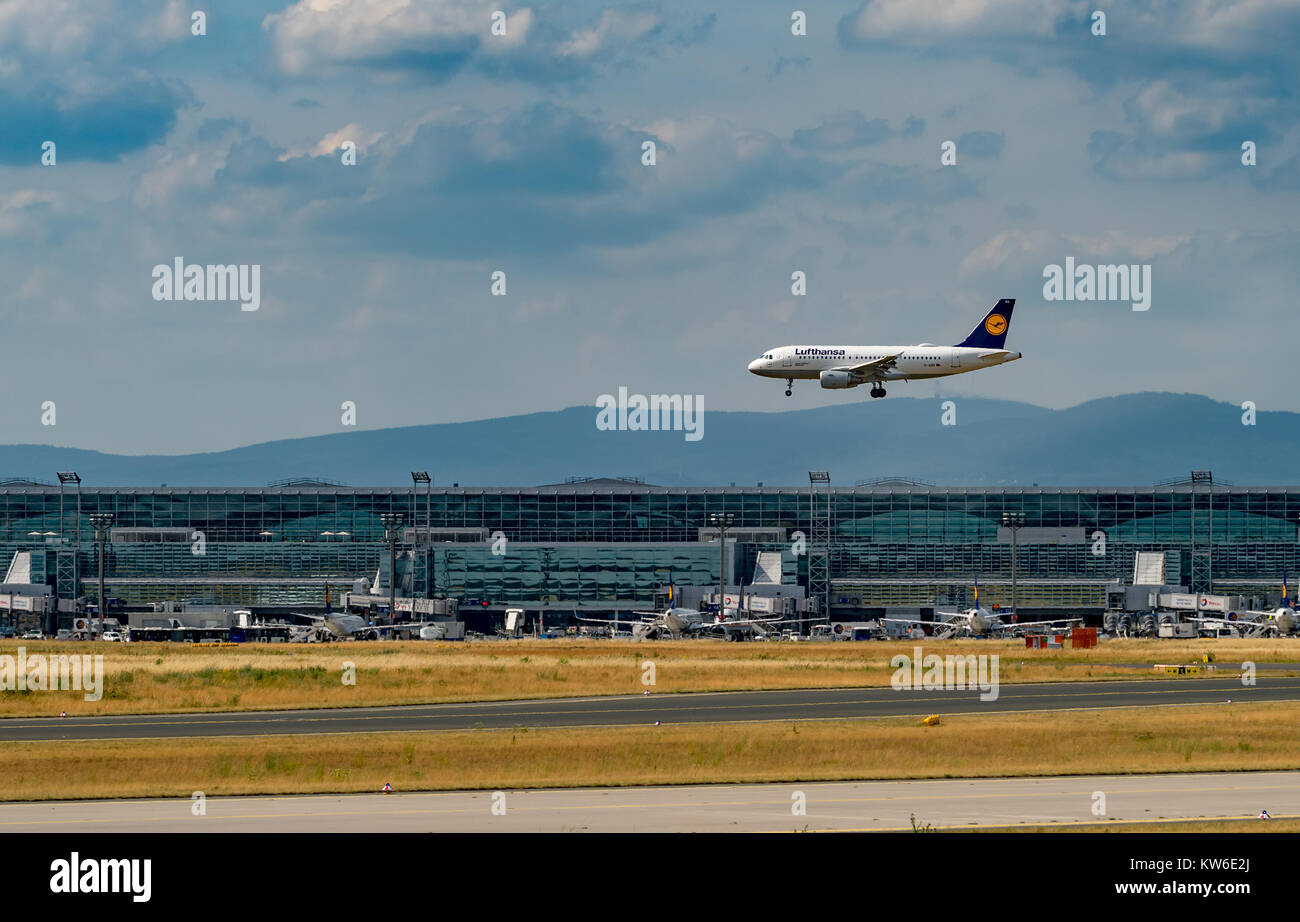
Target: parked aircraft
689	622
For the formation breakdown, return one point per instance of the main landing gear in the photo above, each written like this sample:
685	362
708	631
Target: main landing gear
877	391
789	383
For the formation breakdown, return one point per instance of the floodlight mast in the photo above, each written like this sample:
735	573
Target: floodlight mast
392	523
819	542
101	521
722	520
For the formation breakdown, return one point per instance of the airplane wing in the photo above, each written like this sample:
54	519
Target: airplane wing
727	621
942	629
873	369
1223	624
1016	625
920	623
608	621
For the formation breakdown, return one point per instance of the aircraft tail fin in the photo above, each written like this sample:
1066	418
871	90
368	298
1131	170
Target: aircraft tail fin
991	332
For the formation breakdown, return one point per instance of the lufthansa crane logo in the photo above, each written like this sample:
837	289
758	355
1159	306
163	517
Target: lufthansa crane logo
996	324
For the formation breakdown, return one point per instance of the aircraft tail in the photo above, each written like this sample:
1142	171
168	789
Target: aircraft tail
991	332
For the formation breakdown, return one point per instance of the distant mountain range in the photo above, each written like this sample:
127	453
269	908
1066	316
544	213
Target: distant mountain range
1134	439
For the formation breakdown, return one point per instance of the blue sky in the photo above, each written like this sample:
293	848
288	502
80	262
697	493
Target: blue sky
522	153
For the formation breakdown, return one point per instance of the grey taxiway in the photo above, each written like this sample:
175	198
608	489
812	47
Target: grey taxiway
795	807
667	709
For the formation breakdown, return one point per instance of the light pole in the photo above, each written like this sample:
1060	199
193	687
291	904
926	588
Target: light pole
392	522
1013	520
417	478
65	478
722	520
546	589
101	522
819	542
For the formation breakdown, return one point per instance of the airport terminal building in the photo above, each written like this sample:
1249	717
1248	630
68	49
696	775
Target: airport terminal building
614	545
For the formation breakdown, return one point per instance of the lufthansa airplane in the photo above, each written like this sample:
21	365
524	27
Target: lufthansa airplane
849	366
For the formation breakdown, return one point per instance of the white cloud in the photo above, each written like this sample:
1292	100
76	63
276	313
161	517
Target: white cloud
315	32
1214	24
1209	24
614	25
333	141
993	253
783	311
1126	243
1175	165
15	210
907	20
173	173
1109	245
1168	111
411	35
80	29
25	198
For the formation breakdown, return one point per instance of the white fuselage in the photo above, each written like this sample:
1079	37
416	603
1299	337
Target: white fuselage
913	363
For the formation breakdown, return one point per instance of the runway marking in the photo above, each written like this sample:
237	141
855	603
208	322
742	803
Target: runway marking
778	800
165	721
705	786
397	712
334	814
618	726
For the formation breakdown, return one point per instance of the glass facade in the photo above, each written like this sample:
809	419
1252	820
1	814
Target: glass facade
594	542
574	573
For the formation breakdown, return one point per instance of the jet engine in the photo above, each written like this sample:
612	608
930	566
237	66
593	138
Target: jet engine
834	378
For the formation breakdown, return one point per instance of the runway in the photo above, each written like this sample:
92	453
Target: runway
669	709
842	806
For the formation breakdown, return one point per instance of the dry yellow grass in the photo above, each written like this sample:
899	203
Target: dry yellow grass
160	678
1204	738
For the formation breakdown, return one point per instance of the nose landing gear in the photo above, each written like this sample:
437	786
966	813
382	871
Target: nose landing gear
789	383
